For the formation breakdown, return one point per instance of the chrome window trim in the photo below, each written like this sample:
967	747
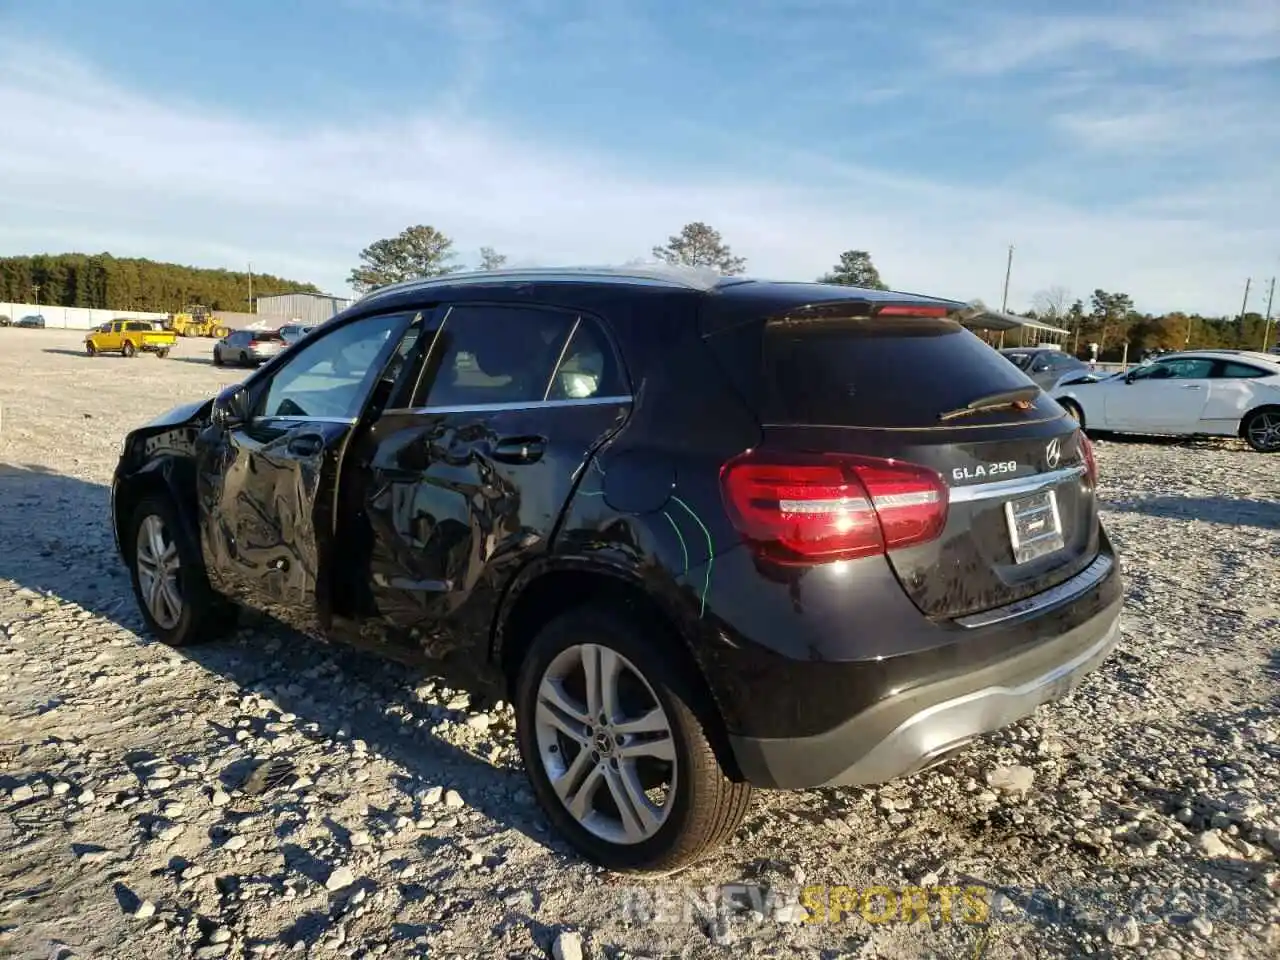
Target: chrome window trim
515	405
1068	590
300	419
551	380
1015	487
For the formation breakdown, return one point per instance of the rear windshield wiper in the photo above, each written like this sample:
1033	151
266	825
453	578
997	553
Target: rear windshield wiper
1020	398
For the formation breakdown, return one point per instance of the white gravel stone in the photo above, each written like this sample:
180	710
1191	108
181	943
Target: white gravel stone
339	877
567	946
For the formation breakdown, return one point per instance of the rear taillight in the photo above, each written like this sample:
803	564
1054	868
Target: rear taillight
1090	464
814	508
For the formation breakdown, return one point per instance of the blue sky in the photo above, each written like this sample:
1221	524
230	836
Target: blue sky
1125	145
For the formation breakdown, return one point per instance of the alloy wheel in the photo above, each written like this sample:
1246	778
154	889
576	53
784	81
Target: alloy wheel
1264	431
158	567
606	744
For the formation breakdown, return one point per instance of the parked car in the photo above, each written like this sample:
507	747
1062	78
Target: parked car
1044	365
1222	393
34	321
129	337
293	332
707	535
248	348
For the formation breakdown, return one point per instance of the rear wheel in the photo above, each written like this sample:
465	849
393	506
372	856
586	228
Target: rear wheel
162	352
128	349
169	582
1262	430
614	747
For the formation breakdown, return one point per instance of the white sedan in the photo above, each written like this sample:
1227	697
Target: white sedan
1223	393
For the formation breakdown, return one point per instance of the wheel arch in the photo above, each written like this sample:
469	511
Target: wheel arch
548	588
169	476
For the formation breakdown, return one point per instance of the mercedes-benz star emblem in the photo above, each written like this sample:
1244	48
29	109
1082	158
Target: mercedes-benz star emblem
1053	453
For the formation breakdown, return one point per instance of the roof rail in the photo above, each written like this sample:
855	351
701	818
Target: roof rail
688	278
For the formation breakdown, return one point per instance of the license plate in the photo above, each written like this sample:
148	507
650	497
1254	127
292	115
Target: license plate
1035	526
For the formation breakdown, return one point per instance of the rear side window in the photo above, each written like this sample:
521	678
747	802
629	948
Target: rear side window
589	367
1238	370
494	354
896	373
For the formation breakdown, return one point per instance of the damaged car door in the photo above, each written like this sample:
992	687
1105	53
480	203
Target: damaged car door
268	464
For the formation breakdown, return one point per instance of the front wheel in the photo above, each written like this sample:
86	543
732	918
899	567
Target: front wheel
169	582
1073	408
90	349
619	757
217	357
128	349
1262	430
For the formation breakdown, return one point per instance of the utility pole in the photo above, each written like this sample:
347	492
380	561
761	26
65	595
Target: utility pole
1008	269
1244	304
251	310
1266	324
35	293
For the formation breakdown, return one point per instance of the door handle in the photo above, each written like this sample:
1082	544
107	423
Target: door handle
307	445
1191	386
519	449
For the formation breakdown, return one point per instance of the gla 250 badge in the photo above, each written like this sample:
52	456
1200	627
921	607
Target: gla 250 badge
983	470
1052	456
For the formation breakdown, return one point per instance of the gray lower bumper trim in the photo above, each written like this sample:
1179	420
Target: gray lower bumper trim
938	729
903	734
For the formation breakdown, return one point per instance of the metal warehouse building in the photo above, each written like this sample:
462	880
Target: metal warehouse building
307	307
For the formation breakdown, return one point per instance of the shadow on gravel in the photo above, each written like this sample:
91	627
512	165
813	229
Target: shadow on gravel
362	697
1263	514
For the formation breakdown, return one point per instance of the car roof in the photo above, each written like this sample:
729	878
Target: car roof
694	280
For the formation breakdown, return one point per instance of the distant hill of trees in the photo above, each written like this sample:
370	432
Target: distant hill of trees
124	283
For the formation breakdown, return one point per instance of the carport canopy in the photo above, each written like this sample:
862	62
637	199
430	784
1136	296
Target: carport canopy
979	317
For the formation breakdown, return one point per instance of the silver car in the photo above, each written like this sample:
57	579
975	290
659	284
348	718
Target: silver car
1045	365
248	348
293	332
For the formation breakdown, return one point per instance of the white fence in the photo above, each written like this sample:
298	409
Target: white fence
71	318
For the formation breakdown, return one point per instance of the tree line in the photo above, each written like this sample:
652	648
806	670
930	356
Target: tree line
101	281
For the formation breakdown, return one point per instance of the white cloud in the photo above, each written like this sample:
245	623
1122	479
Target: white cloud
110	168
1166	33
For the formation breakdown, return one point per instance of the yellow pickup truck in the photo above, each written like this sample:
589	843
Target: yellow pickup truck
129	337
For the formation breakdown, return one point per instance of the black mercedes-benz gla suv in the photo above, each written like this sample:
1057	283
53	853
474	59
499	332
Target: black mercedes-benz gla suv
711	533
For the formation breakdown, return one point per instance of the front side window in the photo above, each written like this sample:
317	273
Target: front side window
1182	369
493	354
331	377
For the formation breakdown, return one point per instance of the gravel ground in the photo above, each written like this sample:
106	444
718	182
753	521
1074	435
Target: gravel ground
1139	818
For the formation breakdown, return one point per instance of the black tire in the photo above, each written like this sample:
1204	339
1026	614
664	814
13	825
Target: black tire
90	349
128	349
162	353
217	357
706	807
1073	408
204	615
1259	430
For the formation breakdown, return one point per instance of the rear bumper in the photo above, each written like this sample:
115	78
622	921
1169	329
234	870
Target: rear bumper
902	734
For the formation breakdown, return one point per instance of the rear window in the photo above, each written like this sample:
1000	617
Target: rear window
875	373
267	335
